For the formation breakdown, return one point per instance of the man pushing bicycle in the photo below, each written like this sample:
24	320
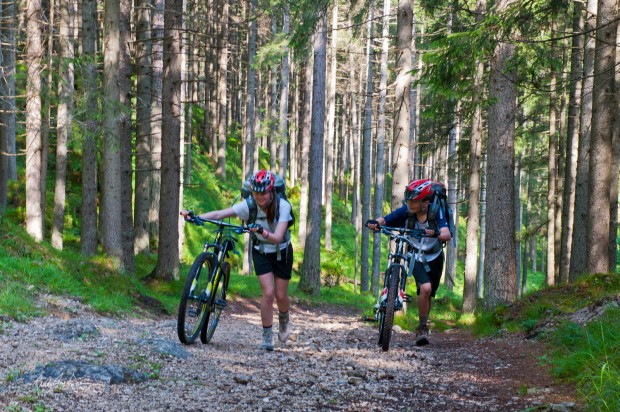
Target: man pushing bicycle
428	250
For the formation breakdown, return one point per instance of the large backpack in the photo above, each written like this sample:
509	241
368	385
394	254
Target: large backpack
439	207
280	189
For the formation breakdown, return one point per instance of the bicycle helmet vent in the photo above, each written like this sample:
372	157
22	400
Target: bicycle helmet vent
418	189
262	181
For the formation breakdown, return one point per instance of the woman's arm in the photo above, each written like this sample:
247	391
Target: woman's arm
214	215
277	236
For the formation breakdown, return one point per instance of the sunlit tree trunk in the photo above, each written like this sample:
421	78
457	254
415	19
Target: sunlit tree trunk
222	93
366	183
157	33
304	132
248	161
331	131
34	54
552	171
284	91
65	118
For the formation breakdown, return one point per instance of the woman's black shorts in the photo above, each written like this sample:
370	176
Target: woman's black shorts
268	262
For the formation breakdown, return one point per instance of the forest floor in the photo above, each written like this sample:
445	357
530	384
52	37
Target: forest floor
332	362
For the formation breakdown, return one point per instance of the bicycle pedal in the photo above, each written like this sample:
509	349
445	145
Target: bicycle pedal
192	313
220	303
408	298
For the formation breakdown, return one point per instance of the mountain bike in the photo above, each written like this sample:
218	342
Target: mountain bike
401	260
204	294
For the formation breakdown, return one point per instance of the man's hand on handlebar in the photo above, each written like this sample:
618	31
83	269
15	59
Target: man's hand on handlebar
372	224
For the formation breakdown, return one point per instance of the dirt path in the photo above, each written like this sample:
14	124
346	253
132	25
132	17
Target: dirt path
333	363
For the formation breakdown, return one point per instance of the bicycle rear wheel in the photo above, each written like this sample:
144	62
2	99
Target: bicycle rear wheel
217	304
193	305
388	321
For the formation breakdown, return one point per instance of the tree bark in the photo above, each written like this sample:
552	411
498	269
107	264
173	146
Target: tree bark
89	228
34	54
284	101
143	126
552	171
331	132
220	171
579	259
304	131
499	265
401	147
64	122
310	274
111	221
366	148
574	102
167	267
603	111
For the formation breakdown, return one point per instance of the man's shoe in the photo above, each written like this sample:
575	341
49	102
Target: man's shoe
284	330
267	340
421	335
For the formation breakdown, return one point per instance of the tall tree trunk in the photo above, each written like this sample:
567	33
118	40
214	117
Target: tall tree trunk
603	112
126	136
34	54
88	230
273	84
248	161
284	101
222	94
401	147
310	274
380	167
143	126
615	172
452	247
7	109
366	147
111	221
579	259
570	171
46	97
157	34
331	131
552	171
167	267
473	206
64	120
304	132
483	227
499	264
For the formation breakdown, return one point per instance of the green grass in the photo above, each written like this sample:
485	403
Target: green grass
584	355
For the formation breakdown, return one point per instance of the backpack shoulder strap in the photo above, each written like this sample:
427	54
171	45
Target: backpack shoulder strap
253	209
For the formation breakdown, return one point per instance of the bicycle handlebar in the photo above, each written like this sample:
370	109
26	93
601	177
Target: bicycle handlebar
198	221
402	232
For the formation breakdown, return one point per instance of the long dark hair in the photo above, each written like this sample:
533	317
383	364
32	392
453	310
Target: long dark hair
271	208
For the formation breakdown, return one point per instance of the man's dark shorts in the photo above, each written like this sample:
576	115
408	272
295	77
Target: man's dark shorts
433	277
268	262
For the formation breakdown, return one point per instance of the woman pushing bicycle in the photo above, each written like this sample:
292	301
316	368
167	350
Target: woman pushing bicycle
272	252
428	251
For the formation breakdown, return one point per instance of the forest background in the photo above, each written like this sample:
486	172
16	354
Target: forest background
512	104
116	114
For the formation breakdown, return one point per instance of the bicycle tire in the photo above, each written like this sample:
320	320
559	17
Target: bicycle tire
216	305
388	322
192	307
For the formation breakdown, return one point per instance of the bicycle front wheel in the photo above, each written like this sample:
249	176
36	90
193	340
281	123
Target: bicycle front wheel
193	306
388	321
216	305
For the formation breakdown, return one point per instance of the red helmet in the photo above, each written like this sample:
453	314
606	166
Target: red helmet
262	181
418	189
